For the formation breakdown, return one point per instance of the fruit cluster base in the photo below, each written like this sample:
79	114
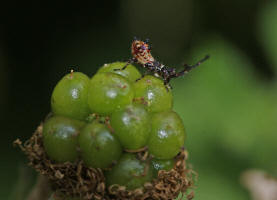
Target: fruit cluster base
77	180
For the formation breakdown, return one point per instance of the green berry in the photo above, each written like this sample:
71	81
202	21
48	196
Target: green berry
131	126
69	97
99	147
60	138
130	172
109	92
130	72
162	165
167	135
152	92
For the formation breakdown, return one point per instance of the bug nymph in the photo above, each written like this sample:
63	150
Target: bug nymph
141	52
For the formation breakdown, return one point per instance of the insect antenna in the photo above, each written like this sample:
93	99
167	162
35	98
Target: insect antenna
189	67
135	38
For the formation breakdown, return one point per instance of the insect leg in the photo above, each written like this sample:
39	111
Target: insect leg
130	61
149	68
189	67
167	85
141	76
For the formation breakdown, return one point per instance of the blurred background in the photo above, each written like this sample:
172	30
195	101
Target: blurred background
228	104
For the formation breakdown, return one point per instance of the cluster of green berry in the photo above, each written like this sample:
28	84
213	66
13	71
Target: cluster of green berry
105	119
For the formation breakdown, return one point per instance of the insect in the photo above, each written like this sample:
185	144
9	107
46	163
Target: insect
141	52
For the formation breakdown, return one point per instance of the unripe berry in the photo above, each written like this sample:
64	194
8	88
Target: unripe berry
152	92
162	165
167	135
130	72
109	92
60	138
130	172
69	97
99	147
131	126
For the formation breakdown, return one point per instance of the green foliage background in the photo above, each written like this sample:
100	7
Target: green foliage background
230	113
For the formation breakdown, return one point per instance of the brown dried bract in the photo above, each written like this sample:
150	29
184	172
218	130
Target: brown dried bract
75	179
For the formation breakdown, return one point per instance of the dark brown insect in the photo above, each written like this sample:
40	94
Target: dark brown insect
141	52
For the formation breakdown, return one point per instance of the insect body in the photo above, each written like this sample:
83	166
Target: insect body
141	52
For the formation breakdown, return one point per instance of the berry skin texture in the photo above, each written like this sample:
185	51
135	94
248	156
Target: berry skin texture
132	126
69	97
131	72
152	92
130	172
60	138
109	92
167	135
162	165
99	147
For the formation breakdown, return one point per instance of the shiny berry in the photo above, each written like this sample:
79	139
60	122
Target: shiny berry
109	92
60	138
69	97
166	165
167	135
152	92
129	172
130	72
131	126
99	147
